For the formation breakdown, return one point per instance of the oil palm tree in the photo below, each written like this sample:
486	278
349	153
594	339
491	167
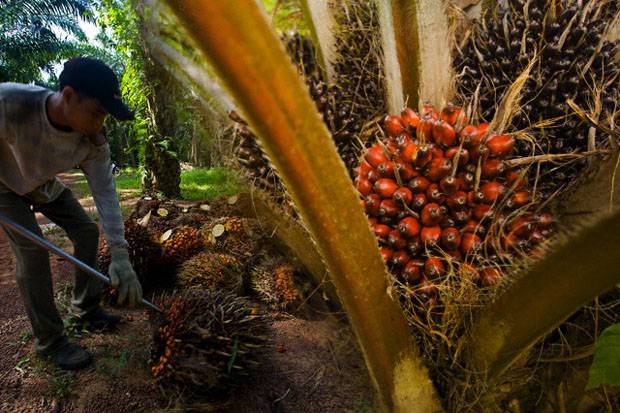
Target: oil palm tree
36	34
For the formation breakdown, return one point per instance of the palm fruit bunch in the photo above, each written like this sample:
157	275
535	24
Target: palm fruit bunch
239	237
145	255
442	199
212	271
301	51
573	60
274	282
207	342
156	214
180	244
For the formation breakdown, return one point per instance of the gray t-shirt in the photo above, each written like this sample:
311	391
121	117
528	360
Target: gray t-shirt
33	152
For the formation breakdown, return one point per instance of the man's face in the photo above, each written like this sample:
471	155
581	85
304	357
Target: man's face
84	114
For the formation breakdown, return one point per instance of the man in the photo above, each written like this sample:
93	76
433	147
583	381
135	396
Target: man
43	133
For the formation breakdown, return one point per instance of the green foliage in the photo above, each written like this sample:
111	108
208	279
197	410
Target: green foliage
606	366
37	34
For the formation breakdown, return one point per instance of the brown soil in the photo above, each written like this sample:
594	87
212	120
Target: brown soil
311	365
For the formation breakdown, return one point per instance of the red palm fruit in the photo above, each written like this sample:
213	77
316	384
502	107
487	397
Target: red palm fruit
403	194
413	270
438	168
522	226
449	184
509	241
437	152
427	288
393	125
424	131
374	176
414	246
461	216
483	128
469	272
455	255
450	113
474	198
450	238
418	201
425	154
409	227
443	133
364	169
519	199
400	258
471	226
409	152
419	184
386	254
386	169
364	186
544	219
470	242
489	277
372	204
376	155
483	211
429	110
431	215
403	140
463	155
391	145
471	136
469	180
430	235
395	240
381	231
479	152
389	208
434	194
410	118
405	171
457	200
500	145
434	268
492	191
492	167
385	187
514	179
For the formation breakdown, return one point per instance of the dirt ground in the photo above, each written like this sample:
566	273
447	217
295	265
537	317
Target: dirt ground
312	364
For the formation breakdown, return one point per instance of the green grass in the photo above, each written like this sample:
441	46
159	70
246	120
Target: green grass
201	183
197	184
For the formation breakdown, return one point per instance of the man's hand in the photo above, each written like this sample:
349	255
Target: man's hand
123	277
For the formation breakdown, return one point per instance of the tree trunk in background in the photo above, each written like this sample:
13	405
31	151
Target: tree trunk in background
163	170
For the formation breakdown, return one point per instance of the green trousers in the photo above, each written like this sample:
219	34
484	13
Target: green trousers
33	266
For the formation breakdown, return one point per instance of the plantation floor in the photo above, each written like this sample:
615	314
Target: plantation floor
312	365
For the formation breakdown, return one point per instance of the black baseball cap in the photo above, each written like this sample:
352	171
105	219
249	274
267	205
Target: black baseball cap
95	79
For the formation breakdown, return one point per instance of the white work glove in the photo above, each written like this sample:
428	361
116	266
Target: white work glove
124	278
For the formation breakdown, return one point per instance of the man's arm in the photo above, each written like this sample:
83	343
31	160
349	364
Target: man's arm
98	172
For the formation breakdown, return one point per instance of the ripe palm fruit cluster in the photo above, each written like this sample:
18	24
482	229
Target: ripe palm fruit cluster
206	342
180	244
239	237
274	282
212	271
574	61
161	214
440	197
301	51
145	255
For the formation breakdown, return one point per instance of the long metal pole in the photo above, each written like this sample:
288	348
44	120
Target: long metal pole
43	243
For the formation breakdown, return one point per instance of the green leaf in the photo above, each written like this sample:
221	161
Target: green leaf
606	366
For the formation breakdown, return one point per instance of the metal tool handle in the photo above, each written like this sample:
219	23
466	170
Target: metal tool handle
43	243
